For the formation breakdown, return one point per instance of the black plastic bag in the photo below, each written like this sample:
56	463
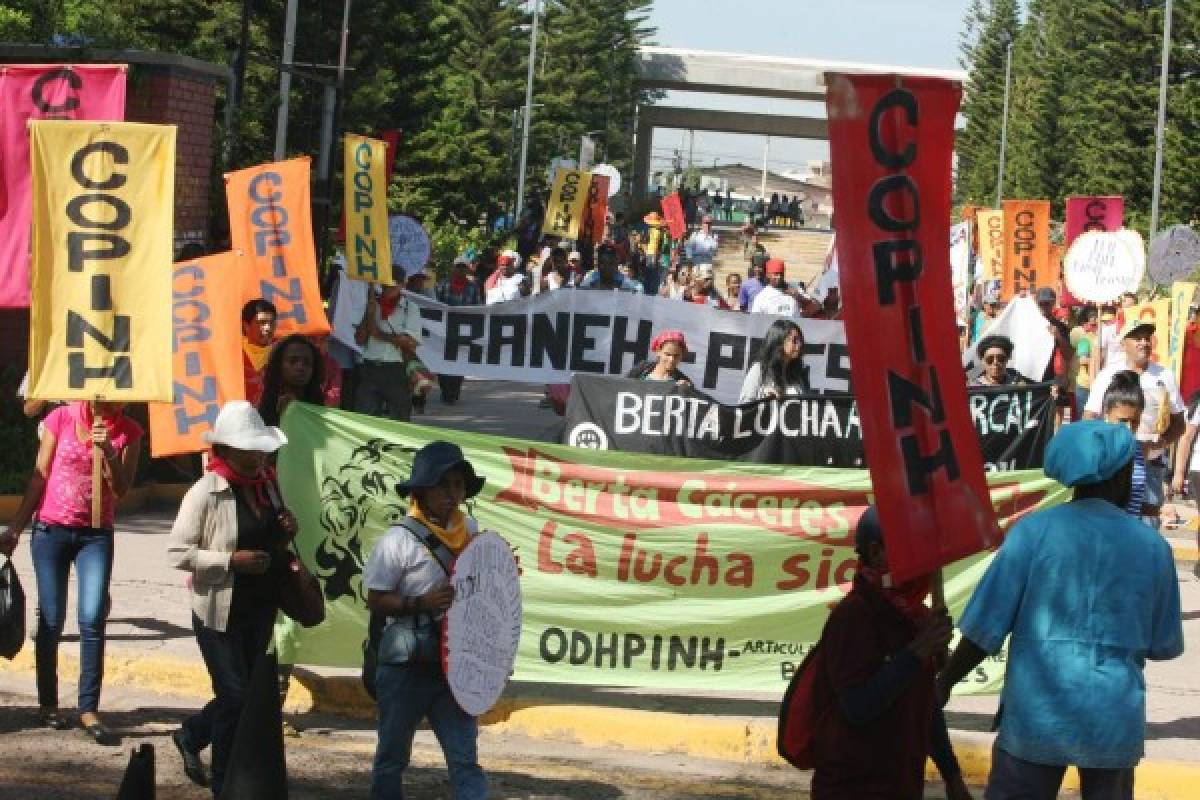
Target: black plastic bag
12	611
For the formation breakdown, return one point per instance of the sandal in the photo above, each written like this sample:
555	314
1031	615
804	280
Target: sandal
52	718
100	734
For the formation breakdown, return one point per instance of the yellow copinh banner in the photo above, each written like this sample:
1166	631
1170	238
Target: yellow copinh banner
103	216
568	199
368	245
989	224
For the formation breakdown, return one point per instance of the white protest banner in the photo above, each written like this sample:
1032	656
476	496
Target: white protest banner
349	307
960	258
1100	267
1023	323
483	625
548	337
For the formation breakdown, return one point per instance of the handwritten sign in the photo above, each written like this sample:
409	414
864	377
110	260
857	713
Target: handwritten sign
567	203
991	243
1099	267
368	248
483	626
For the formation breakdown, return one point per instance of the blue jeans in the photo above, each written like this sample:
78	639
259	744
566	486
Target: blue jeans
229	656
406	695
54	549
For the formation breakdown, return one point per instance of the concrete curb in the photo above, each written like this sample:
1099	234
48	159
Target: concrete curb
743	740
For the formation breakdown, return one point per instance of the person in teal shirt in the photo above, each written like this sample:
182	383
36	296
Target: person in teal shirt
1085	593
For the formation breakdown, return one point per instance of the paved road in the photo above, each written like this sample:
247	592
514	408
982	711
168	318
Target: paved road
151	623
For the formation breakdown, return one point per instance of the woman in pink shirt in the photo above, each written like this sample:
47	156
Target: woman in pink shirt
60	491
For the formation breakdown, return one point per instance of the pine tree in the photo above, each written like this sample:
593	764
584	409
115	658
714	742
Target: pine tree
991	26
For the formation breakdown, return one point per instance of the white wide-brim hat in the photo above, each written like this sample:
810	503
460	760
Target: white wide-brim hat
240	426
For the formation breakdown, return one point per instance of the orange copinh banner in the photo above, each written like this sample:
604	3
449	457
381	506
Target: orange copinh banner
1027	266
207	353
892	141
270	223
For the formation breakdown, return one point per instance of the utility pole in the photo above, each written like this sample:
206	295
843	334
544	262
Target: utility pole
285	80
528	111
1004	126
762	192
1161	129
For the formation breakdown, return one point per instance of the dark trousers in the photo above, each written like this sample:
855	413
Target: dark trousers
451	386
55	548
229	656
384	386
1015	778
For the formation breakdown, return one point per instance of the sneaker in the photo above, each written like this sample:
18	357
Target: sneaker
193	767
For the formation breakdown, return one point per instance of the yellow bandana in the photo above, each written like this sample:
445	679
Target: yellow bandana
258	355
454	535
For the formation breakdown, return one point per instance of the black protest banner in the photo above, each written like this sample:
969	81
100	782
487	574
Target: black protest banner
810	430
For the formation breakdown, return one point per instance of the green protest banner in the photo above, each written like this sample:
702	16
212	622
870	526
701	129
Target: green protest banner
638	570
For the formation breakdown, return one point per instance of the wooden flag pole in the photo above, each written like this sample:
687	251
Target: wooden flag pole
97	477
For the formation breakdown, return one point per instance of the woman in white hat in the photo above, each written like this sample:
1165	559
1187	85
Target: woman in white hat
231	534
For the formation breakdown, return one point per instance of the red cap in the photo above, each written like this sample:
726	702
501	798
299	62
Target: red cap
775	266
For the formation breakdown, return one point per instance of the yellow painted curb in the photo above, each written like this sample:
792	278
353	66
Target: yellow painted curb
742	740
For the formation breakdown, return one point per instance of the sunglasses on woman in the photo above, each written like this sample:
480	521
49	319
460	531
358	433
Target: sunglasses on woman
995	359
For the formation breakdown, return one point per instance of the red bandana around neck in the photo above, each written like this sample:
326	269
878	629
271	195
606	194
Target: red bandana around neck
908	598
263	484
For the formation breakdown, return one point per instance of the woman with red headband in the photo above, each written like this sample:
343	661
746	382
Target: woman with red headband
670	347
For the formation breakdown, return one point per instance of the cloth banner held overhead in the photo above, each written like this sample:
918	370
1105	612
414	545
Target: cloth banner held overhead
1013	423
548	337
568	200
368	246
991	243
270	222
892	141
747	557
596	212
1182	293
103	207
41	91
1033	345
208	372
672	208
1093	214
1026	248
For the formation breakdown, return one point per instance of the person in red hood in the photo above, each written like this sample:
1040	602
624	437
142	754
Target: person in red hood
876	716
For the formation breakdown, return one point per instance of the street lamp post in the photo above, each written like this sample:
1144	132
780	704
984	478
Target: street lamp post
1160	130
524	161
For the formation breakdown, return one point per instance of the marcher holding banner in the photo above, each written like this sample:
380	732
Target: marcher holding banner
65	533
995	352
670	347
778	369
393	333
876	716
1087	594
406	579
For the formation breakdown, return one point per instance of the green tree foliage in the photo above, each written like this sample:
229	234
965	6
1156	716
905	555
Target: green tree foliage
991	25
1085	99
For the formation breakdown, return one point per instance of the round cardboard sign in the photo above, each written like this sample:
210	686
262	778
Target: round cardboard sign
483	625
1174	254
410	243
1099	267
613	175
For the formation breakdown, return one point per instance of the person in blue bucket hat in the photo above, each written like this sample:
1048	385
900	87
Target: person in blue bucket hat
1085	593
407	579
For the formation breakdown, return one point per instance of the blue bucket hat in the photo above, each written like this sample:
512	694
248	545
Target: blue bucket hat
432	462
1091	451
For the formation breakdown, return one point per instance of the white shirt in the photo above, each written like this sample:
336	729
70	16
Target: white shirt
506	289
772	301
400	563
1110	345
1158	385
701	247
405	318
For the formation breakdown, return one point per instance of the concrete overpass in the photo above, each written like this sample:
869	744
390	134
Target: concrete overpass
673	69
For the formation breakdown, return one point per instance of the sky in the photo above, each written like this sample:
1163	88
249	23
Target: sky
906	33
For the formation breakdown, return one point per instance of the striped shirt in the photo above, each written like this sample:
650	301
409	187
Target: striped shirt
1137	493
